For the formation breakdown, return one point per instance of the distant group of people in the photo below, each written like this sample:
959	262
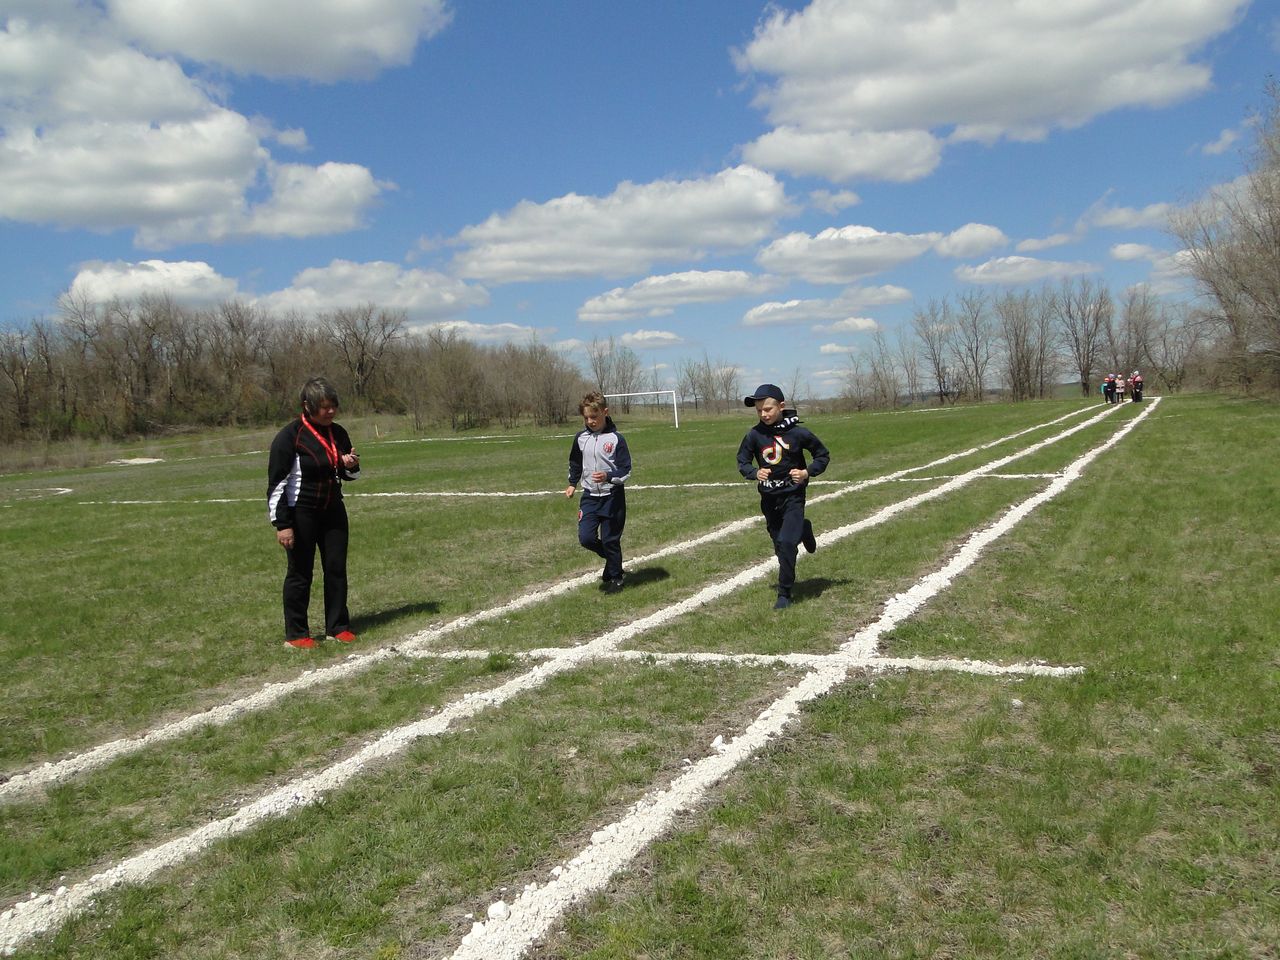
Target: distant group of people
1115	386
312	456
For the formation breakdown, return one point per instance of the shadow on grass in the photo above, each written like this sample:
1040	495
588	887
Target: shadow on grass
812	589
644	575
379	617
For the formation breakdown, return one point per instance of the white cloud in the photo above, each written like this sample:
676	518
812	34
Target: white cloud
839	155
492	332
833	202
844	72
658	296
306	201
628	231
1134	251
1224	143
842	254
971	240
841	308
1171	274
1154	216
187	283
848	325
1016	271
424	295
95	134
1045	243
651	339
829	348
316	39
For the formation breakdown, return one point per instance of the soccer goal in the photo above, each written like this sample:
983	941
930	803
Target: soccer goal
658	396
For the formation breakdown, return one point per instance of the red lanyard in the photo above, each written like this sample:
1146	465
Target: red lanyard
329	446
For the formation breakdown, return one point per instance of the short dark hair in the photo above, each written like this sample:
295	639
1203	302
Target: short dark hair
315	391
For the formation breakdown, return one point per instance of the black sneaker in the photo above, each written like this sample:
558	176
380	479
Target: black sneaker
613	586
810	544
782	603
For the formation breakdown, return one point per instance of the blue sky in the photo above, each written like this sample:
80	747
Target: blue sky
762	185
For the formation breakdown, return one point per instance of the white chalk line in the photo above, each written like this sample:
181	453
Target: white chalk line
43	912
874	662
534	911
24	783
437	494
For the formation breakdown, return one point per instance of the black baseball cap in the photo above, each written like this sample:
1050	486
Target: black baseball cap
762	391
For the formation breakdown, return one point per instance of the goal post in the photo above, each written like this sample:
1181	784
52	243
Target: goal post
675	407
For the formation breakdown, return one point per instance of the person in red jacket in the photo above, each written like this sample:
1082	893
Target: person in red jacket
309	460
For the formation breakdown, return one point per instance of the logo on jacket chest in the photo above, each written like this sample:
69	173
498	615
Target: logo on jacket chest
773	454
608	448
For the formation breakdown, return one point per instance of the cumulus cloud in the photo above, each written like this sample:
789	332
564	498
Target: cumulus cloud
1134	251
829	348
1154	216
842	254
625	232
1225	141
1031	245
971	240
651	339
97	134
833	201
424	295
848	325
658	296
187	283
842	308
490	332
839	155
1017	271
306	201
317	39
876	72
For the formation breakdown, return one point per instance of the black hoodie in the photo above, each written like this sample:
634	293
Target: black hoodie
781	448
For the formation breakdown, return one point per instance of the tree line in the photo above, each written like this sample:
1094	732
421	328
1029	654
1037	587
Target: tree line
136	368
1021	345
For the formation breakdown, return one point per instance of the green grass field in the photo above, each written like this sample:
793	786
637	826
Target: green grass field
1132	810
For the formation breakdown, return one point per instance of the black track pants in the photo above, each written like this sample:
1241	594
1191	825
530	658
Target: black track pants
326	530
784	518
600	523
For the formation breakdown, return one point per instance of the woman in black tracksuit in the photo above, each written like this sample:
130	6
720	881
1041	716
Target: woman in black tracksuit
310	458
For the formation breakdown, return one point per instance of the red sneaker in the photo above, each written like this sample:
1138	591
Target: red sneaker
302	643
346	636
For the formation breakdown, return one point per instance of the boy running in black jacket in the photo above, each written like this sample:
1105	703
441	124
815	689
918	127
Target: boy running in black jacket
777	443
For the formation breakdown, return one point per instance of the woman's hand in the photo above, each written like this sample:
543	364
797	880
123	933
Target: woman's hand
285	538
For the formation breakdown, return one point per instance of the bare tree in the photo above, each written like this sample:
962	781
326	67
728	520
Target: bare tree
882	375
600	358
973	341
1084	312
628	374
1232	242
1174	340
935	330
909	364
361	336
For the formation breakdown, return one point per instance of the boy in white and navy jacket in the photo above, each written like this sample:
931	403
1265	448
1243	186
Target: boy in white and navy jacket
600	459
777	443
